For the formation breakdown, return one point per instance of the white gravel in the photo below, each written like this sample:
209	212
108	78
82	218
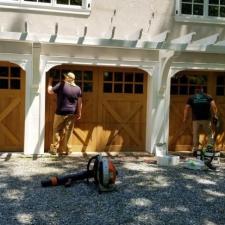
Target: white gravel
146	194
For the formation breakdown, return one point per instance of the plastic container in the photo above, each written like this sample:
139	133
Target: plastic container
195	164
168	160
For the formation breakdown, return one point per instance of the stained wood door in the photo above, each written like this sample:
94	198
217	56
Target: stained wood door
12	81
182	86
122	110
180	135
84	134
114	110
220	140
219	84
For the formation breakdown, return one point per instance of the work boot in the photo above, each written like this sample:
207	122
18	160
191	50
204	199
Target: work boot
52	152
194	152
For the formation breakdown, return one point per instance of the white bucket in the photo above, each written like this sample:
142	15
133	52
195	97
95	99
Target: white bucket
160	149
168	160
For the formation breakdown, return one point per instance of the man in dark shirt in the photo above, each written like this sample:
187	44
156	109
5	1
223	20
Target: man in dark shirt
203	110
69	106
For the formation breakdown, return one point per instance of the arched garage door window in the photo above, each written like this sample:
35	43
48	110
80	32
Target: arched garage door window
84	78
184	84
10	77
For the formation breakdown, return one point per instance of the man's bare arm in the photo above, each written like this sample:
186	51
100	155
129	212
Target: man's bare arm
214	108
50	91
79	108
186	112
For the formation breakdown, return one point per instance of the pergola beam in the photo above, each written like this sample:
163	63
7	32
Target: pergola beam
202	44
139	41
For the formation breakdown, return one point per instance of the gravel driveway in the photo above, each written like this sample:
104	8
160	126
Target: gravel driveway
146	194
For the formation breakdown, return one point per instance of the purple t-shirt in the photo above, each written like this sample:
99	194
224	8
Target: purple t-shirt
67	96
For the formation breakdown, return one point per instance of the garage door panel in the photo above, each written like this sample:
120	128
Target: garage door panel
88	110
122	134
12	109
126	120
115	139
180	135
220	140
9	137
84	133
123	114
182	139
84	136
122	111
110	121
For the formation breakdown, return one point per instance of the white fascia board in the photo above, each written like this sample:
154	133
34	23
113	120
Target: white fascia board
110	42
151	45
15	57
197	66
101	62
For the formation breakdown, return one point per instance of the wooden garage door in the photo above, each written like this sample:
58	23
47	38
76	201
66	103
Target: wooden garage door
219	84
114	109
12	80
182	86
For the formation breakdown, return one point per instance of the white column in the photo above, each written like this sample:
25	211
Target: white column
155	112
159	102
42	88
27	124
150	107
33	143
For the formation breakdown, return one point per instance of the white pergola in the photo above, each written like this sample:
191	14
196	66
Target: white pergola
143	40
160	69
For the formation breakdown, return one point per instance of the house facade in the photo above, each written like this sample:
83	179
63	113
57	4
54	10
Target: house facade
136	62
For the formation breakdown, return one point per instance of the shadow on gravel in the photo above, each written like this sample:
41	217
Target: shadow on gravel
146	194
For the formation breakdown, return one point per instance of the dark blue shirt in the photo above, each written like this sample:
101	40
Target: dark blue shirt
201	106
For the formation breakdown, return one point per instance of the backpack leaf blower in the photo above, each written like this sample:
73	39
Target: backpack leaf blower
207	155
103	171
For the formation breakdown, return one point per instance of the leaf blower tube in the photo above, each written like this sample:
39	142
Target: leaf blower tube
63	180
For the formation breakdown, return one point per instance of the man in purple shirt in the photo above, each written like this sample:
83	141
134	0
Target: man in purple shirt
69	106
